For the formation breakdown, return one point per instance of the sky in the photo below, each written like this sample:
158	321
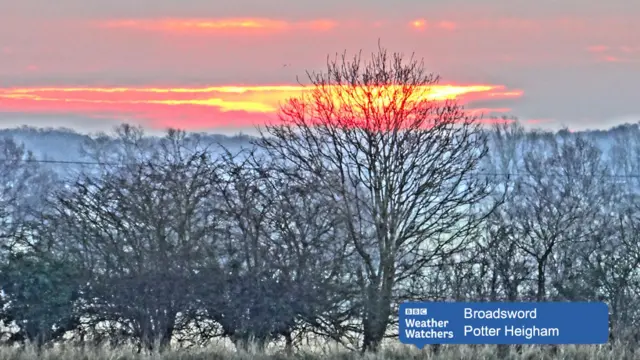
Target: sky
226	66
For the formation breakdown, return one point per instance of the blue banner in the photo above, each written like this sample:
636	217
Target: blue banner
426	323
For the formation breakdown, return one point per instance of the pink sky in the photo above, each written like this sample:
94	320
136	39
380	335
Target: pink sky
576	64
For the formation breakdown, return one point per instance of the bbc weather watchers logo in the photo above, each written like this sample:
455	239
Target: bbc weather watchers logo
503	323
415	311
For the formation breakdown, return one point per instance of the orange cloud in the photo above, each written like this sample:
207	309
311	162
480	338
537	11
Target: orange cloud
196	107
422	24
419	24
216	25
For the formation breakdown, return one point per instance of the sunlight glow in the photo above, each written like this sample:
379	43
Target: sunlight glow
213	25
195	105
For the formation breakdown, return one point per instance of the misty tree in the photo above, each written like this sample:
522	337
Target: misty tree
498	248
248	285
556	206
284	260
34	296
141	226
24	184
397	166
614	258
40	292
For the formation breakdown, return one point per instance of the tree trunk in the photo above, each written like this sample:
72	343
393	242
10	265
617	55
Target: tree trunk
288	345
541	292
373	332
377	312
248	342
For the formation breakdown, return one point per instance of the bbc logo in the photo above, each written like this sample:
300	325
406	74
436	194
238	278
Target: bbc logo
415	311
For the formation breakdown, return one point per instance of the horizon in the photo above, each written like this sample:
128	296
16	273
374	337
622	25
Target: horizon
244	132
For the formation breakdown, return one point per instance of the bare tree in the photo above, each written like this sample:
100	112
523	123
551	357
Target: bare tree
397	165
613	260
142	227
556	203
499	245
33	291
284	260
24	185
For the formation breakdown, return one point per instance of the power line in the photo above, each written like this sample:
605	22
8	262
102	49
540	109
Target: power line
487	174
63	162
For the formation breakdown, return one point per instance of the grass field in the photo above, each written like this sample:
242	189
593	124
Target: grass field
396	353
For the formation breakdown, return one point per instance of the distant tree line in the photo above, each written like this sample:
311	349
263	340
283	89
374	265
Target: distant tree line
364	195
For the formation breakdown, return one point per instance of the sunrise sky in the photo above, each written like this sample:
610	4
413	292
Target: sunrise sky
225	66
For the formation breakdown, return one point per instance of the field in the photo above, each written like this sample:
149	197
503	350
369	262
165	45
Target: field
396	353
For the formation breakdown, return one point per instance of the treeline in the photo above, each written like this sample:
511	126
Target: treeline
368	195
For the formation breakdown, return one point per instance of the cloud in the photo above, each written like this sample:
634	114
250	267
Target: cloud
419	24
597	48
447	25
538	121
217	25
615	54
500	24
614	59
485	112
195	107
629	49
422	24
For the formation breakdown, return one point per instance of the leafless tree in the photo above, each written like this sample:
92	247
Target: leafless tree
397	165
26	301
499	246
285	260
139	228
613	259
24	185
556	204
